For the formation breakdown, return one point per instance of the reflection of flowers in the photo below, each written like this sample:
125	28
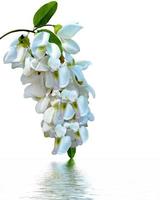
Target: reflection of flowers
62	181
56	81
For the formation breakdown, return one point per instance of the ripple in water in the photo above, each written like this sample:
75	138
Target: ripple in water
63	182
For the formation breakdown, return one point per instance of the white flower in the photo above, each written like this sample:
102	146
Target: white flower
57	83
42	104
80	136
58	79
69	95
15	55
54	115
74	126
62	145
84	120
75	105
60	131
62	141
83	135
79	80
66	33
46	54
36	87
48	115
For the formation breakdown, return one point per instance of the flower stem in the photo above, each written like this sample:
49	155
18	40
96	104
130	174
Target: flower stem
17	30
43	26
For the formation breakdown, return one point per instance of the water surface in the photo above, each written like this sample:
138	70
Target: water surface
62	181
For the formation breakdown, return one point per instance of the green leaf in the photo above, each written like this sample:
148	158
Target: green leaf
53	38
71	152
44	14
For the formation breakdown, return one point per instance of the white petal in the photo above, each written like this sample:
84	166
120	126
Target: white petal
29	79
15	42
62	146
71	47
68	57
65	94
21	53
42	105
10	56
60	130
14	54
73	96
40	65
27	71
57	118
69	31
34	90
83	120
49	80
66	125
17	65
91	90
82	103
69	112
83	134
83	64
74	126
48	115
46	127
41	39
53	51
78	73
64	76
70	95
34	78
54	63
91	116
39	52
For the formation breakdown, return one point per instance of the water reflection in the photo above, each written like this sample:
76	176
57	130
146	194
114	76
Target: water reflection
63	181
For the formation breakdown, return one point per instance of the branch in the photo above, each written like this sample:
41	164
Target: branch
18	30
43	26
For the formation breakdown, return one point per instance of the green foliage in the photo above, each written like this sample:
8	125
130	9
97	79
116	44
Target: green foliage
44	14
71	152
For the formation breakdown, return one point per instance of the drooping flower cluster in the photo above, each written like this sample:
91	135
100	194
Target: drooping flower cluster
56	81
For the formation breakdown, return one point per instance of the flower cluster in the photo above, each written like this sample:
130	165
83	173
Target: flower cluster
57	83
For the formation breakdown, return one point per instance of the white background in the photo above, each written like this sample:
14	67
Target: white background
122	39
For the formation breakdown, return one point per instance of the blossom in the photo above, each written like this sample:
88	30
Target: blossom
16	54
78	133
66	33
43	52
58	79
62	145
75	104
36	87
55	80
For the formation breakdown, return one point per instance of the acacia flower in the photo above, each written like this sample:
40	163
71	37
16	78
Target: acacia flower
54	79
66	33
